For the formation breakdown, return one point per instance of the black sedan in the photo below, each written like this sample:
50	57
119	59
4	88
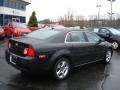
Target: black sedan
109	34
57	51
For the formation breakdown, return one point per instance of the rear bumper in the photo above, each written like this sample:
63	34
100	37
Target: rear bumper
26	64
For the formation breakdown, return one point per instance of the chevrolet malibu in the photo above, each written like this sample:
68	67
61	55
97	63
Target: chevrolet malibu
56	51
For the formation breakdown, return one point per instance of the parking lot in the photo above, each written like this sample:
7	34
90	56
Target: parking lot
97	76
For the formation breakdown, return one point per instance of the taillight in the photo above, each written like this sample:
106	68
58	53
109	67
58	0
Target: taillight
9	44
29	51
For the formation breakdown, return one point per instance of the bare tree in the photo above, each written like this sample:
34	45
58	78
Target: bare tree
69	20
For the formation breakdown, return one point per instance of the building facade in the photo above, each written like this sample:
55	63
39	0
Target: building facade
13	10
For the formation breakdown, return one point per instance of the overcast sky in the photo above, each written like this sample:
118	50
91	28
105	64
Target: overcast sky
53	9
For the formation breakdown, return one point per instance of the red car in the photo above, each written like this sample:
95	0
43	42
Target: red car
2	34
15	29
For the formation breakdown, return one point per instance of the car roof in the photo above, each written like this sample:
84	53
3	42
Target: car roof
69	30
104	27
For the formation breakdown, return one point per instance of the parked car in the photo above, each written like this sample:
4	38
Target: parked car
55	26
15	29
109	34
57	51
2	34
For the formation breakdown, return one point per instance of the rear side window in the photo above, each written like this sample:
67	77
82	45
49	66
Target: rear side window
76	36
68	38
42	34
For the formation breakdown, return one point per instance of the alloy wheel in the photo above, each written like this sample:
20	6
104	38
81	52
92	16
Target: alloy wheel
62	69
115	45
108	56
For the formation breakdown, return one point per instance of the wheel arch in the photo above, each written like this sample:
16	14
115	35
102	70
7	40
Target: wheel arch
117	43
61	54
111	49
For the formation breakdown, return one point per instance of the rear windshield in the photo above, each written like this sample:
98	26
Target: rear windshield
19	25
42	34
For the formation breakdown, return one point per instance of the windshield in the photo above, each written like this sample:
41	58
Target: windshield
19	25
114	31
42	34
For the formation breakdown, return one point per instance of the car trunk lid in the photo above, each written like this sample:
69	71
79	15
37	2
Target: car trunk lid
19	44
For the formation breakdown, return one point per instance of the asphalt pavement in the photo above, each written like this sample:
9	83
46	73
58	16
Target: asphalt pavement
97	76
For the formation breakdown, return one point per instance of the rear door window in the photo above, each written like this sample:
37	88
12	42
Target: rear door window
76	36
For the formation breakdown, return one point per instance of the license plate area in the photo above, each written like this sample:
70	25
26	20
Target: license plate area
13	59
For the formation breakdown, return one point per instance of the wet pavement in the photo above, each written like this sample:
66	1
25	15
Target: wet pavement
97	76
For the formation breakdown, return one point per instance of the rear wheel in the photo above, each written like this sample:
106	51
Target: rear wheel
61	69
108	56
6	35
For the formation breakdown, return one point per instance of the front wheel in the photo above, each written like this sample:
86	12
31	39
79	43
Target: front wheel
115	45
61	69
108	56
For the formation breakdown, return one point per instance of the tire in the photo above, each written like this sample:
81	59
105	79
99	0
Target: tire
108	56
61	69
11	35
115	45
6	35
